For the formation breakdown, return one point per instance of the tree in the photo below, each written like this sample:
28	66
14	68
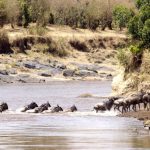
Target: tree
140	3
122	16
12	7
3	17
139	25
24	15
40	12
146	33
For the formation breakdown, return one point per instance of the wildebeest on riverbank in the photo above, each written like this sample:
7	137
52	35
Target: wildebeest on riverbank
125	104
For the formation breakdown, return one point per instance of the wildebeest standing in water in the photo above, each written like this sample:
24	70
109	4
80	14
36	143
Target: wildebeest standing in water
106	105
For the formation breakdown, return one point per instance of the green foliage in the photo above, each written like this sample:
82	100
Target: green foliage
140	3
146	33
124	56
25	16
133	26
122	15
139	26
134	49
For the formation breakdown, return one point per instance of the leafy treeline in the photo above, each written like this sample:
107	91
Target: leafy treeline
75	13
138	26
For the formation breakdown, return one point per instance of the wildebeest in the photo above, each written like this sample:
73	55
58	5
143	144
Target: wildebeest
99	107
72	109
3	107
146	101
56	109
41	108
32	105
106	105
120	103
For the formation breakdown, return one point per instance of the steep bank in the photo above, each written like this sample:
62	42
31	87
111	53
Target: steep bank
62	53
127	83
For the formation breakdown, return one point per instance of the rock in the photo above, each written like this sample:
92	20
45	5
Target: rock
3	72
68	73
46	74
6	79
30	64
12	71
61	66
85	73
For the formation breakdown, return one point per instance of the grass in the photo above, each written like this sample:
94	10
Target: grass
37	30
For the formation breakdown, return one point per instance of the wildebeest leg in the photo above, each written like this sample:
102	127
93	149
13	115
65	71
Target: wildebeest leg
134	107
119	109
139	106
96	110
145	105
115	107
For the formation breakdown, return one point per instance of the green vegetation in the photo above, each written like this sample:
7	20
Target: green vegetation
139	27
122	15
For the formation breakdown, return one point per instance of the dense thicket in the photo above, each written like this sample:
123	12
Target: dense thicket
75	13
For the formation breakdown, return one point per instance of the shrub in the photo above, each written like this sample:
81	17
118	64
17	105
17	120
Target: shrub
56	48
121	16
4	43
134	49
37	30
133	27
146	33
124	56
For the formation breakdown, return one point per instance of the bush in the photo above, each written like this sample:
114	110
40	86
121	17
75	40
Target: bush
37	30
56	48
139	26
134	49
146	33
124	56
133	27
121	16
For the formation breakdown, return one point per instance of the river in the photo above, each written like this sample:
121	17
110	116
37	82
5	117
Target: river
83	130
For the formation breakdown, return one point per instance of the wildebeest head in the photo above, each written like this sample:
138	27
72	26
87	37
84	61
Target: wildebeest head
3	107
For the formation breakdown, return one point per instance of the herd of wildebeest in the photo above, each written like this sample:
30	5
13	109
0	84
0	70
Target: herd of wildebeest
119	103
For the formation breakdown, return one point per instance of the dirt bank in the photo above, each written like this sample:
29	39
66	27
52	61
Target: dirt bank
140	115
62	53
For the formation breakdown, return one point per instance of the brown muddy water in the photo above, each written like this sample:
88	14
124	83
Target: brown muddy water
83	130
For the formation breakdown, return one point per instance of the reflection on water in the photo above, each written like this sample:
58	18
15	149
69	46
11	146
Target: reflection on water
82	130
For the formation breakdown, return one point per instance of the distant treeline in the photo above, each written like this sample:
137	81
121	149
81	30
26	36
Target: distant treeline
75	13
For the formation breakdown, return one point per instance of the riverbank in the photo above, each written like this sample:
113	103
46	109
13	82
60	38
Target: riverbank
62	53
140	115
